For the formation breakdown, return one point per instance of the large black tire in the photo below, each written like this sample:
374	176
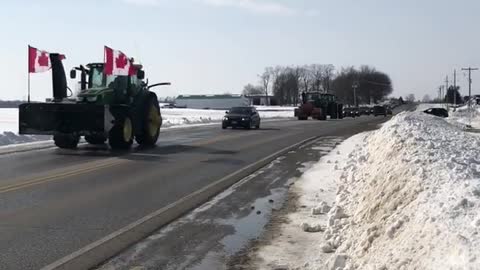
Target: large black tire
95	139
258	125
151	122
66	141
302	117
120	136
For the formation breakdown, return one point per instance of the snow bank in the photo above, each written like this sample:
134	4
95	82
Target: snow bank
410	196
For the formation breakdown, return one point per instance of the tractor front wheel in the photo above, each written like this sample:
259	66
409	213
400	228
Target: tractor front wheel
67	141
152	121
121	134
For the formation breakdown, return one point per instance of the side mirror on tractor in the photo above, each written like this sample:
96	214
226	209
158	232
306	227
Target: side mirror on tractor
141	74
73	74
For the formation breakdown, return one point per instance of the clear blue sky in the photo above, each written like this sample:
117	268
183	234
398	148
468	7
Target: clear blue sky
217	46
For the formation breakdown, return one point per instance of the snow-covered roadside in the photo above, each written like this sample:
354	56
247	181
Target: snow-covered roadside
460	117
296	245
180	117
407	198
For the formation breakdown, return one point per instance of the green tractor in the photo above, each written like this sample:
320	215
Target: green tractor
319	106
119	109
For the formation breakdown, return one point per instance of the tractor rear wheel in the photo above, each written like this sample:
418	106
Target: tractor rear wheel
67	141
95	139
152	120
121	134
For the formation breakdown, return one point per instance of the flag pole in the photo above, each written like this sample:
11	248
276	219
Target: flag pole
28	96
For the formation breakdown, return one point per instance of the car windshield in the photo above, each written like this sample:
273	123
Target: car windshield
241	110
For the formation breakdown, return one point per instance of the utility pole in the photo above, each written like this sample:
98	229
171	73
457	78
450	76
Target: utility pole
445	96
454	90
469	88
355	86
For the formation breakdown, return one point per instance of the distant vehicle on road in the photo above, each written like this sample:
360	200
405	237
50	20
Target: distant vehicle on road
440	112
351	112
365	110
379	110
389	110
318	106
246	117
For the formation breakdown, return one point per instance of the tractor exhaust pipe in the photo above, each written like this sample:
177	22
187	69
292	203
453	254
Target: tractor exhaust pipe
59	80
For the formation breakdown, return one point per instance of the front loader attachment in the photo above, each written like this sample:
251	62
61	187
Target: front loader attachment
82	119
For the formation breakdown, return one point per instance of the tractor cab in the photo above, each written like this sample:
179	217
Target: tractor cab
97	87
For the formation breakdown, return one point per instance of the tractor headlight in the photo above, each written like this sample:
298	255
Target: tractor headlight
244	119
225	118
92	99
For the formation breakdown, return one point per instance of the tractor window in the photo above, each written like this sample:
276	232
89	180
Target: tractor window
98	78
134	80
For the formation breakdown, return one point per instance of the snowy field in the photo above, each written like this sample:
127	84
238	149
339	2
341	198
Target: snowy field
171	118
461	116
406	196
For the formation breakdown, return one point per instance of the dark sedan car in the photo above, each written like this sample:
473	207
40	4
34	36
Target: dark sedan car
246	117
441	112
365	110
351	112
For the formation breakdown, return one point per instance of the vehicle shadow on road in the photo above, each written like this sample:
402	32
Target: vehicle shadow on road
142	153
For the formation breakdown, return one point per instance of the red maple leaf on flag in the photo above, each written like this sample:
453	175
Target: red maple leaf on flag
43	59
121	61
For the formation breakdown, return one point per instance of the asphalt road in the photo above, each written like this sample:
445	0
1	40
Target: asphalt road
54	202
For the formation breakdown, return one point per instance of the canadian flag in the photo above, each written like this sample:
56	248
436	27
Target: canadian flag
39	60
117	63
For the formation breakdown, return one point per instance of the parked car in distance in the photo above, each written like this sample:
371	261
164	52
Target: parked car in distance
351	112
440	112
379	110
389	110
365	111
245	117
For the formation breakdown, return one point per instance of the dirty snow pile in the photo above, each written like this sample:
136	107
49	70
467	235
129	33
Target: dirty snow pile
409	198
9	128
466	117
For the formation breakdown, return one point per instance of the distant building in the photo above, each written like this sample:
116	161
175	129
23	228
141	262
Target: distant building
214	102
262	100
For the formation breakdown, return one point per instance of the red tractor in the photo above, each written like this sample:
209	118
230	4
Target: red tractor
319	106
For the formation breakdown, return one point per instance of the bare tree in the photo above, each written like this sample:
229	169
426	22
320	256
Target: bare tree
265	79
305	76
410	98
251	89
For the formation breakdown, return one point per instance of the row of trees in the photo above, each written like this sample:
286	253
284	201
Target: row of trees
452	96
286	83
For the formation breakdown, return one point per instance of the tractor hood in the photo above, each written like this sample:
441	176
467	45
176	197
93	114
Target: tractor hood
93	94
